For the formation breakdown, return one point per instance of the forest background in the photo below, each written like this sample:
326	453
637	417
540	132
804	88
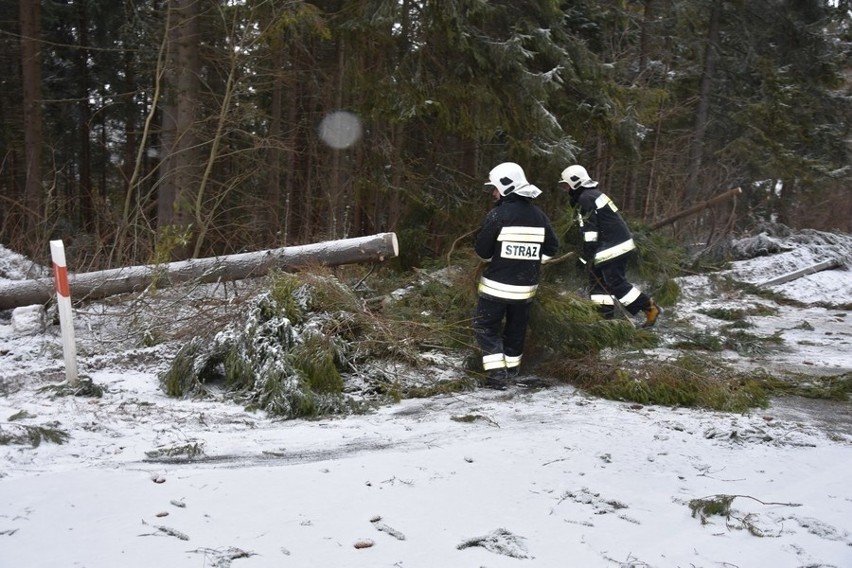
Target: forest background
150	130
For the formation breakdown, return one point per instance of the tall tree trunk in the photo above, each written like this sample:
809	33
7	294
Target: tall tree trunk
631	190
335	189
30	14
86	196
397	143
180	141
291	203
649	208
297	197
205	221
645	37
130	116
272	201
697	147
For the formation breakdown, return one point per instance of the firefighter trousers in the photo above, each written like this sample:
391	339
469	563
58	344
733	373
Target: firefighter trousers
608	280
500	329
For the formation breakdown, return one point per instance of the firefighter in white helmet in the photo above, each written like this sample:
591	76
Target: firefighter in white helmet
607	246
515	239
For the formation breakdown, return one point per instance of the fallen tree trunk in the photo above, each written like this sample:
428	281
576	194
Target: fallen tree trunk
697	208
795	275
94	285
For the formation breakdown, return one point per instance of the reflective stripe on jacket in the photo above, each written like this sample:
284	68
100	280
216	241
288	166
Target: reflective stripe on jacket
515	238
605	234
506	291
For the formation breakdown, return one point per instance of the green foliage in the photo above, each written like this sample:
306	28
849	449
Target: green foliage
703	340
660	260
687	381
170	238
741	324
748	344
287	352
151	337
737	314
261	362
278	393
733	338
728	284
716	505
20	415
25	434
720	505
239	369
439	388
290	296
725	314
290	350
296	21
832	387
467	418
434	308
186	451
317	360
412	237
564	325
85	387
181	376
327	293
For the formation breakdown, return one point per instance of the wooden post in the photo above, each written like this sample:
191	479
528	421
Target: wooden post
66	316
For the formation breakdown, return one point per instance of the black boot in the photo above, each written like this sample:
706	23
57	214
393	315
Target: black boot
497	379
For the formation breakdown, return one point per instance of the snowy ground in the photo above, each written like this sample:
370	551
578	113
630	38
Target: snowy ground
817	338
520	478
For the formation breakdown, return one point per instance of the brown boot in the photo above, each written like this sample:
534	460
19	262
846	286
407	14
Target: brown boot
652	312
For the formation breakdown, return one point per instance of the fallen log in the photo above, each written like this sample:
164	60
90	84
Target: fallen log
100	284
796	274
731	193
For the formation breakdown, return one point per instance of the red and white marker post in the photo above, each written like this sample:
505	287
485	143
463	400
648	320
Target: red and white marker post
63	302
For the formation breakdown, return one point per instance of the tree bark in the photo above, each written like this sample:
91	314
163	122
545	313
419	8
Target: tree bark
85	193
696	150
272	196
94	285
30	14
795	275
179	170
648	17
731	193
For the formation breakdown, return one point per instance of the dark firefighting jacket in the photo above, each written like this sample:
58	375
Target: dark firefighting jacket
605	234
515	238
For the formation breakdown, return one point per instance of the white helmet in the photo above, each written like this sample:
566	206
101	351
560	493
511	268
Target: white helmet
509	177
576	176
